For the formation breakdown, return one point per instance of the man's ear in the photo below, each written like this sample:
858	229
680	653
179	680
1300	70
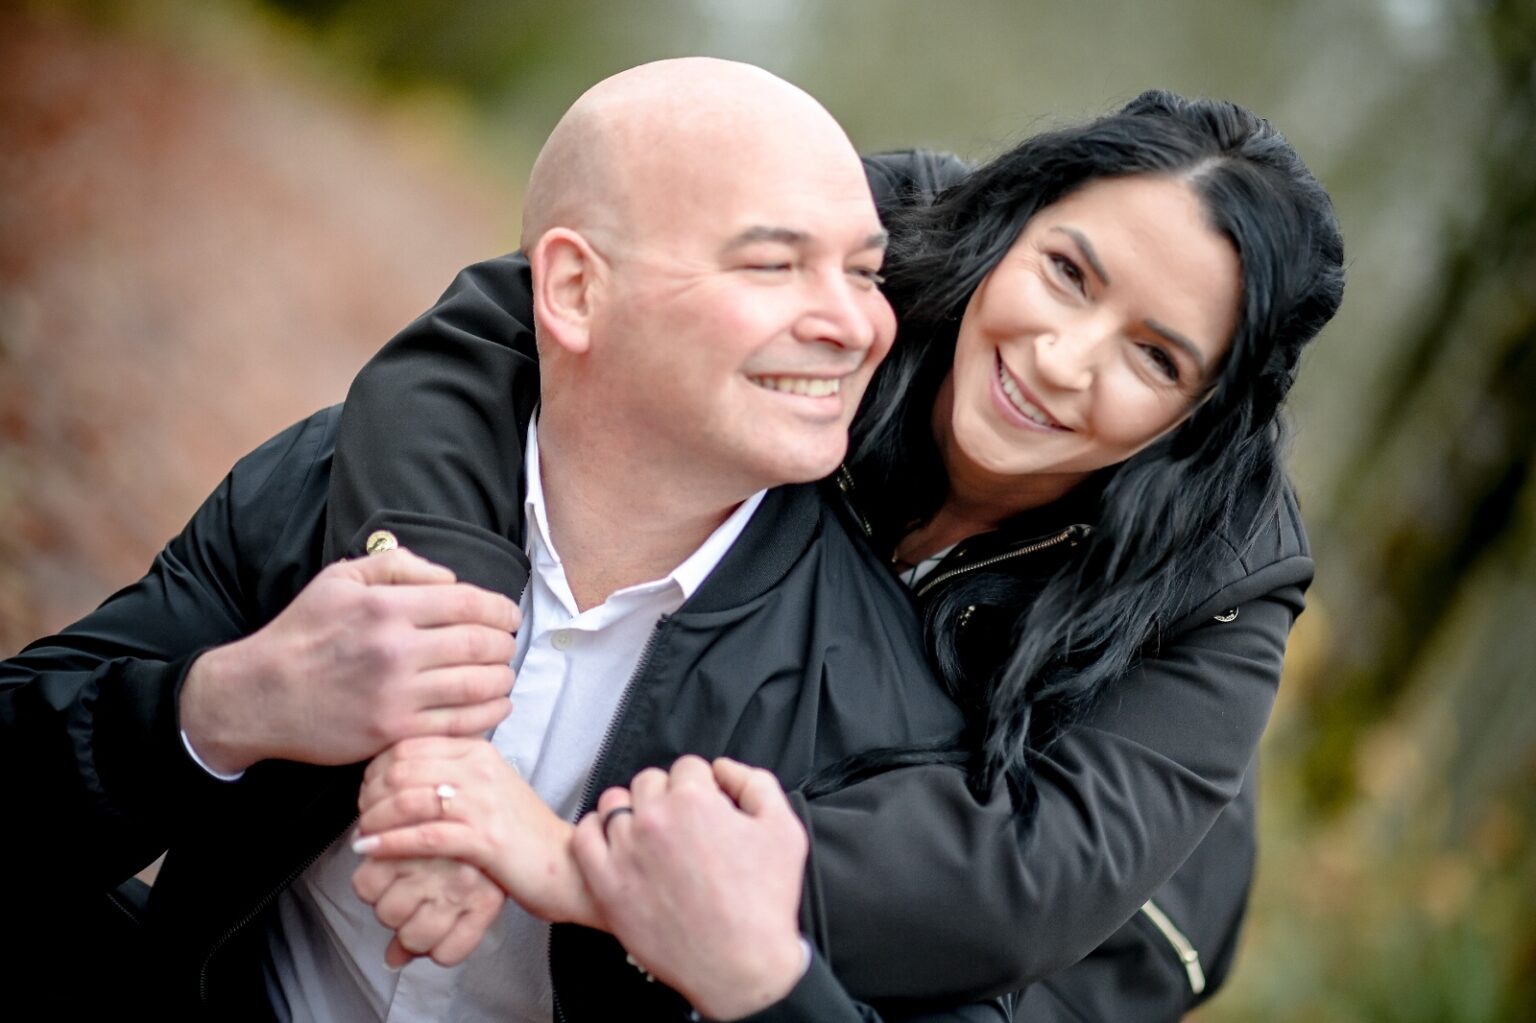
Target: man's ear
565	270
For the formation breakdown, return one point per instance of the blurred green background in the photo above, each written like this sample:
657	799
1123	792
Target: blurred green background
212	212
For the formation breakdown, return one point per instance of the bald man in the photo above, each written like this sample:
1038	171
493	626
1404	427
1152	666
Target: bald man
705	255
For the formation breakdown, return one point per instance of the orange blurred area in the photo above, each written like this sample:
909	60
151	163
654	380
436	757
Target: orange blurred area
193	254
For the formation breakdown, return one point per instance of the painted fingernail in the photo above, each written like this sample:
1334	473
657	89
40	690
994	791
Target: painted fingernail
365	845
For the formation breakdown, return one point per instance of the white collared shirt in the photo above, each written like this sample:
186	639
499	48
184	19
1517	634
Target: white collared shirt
326	950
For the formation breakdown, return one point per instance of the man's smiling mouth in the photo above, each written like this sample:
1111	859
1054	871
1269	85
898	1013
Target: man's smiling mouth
812	387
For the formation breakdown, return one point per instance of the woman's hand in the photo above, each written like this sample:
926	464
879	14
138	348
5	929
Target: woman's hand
438	908
457	799
702	883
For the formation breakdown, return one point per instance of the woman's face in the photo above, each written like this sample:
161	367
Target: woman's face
1097	333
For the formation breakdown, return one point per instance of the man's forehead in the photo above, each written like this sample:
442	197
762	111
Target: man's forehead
759	193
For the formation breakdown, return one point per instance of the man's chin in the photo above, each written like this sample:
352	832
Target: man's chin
808	463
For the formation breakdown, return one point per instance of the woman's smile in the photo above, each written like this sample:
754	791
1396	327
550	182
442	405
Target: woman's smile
1017	403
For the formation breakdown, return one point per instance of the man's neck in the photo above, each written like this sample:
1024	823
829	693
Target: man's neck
616	521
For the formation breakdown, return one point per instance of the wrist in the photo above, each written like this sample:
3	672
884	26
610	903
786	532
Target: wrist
564	898
774	970
212	723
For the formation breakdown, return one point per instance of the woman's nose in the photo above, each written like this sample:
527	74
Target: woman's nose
1066	359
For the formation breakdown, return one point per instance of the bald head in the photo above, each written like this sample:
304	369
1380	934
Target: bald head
705	256
645	146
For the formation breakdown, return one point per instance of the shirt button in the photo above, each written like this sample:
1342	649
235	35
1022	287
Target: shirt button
563	639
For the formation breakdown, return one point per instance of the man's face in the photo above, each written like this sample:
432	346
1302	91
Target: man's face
744	319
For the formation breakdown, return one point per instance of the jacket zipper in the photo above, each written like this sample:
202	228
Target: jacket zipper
259	908
625	698
1181	945
845	484
1070	534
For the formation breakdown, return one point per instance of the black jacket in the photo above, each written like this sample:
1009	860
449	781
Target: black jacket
924	891
796	652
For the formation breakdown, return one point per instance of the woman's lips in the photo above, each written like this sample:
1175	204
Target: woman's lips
1019	402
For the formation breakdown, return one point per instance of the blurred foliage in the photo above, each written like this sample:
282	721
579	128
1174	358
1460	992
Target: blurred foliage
1398	864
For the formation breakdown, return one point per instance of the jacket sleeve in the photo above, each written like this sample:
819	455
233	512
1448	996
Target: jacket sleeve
433	430
97	777
820	998
918	888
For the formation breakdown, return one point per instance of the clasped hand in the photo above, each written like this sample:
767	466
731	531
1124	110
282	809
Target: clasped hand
700	879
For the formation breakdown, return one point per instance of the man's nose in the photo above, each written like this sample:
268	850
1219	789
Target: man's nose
841	313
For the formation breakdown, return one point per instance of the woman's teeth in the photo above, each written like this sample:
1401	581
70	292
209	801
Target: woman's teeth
1026	408
815	387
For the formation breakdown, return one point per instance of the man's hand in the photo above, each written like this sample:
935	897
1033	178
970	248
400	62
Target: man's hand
702	883
371	651
492	820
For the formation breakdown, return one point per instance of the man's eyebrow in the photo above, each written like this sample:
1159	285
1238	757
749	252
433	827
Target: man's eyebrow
1088	252
1175	338
763	233
790	236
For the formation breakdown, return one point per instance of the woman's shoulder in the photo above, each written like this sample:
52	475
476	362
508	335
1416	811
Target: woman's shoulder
1265	529
905	177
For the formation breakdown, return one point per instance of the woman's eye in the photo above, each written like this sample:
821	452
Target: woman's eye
769	267
1070	272
1162	362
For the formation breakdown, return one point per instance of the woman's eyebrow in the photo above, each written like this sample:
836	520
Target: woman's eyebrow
1179	340
1087	249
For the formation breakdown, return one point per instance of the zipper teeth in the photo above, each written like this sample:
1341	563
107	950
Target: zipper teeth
625	699
1181	945
266	900
845	484
618	715
117	901
1059	538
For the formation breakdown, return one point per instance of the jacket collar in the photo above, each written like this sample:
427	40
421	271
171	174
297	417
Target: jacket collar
772	542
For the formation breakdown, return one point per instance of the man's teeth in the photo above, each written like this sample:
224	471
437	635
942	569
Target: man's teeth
815	387
1026	408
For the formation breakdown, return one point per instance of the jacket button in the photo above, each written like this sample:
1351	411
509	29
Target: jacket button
381	541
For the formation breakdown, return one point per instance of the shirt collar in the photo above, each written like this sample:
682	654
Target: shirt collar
688	576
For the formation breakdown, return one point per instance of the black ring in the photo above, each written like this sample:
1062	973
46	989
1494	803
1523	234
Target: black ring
611	814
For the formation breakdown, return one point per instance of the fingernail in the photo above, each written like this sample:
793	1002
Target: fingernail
365	845
392	968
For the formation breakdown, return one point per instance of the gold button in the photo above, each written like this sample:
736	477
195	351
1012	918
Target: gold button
381	541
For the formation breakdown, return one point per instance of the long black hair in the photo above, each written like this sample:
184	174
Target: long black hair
1164	514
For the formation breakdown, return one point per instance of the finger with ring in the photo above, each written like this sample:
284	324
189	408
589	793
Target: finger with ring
445	795
611	814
